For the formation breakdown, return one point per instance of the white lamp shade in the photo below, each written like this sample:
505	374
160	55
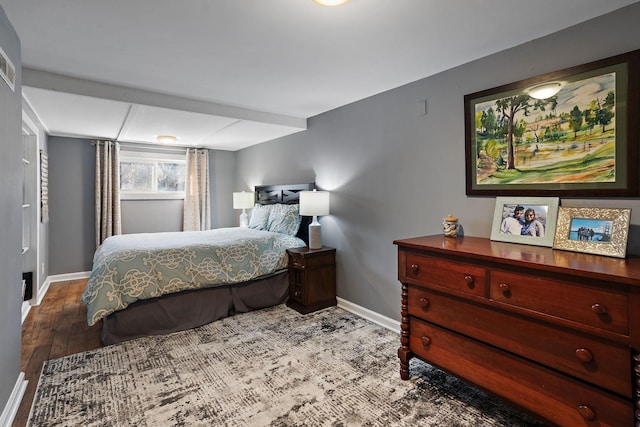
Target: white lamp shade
314	203
243	200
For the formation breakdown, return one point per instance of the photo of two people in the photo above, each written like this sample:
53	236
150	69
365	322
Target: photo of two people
524	220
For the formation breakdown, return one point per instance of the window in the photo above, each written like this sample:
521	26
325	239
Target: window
151	175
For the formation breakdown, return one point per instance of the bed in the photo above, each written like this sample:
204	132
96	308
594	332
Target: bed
158	283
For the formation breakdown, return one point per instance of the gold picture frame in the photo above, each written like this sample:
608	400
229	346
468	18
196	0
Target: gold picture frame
600	231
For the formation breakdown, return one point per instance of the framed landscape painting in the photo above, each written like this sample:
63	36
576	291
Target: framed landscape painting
571	133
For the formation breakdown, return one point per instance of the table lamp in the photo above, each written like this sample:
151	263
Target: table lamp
314	203
243	200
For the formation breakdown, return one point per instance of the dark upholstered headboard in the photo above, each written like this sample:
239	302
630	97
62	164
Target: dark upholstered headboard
288	195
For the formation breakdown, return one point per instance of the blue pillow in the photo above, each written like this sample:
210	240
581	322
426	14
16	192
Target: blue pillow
260	217
284	219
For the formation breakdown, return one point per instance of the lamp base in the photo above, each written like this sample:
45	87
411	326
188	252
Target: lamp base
244	219
315	240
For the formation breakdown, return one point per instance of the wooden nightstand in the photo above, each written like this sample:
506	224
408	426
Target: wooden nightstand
312	278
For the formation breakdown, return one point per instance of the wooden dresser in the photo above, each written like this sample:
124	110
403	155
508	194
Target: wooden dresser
555	332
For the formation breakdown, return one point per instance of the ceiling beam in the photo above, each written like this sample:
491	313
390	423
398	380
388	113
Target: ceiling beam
60	83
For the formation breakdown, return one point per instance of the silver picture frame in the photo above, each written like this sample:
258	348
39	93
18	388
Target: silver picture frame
507	228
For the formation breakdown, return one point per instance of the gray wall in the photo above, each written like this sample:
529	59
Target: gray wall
222	168
71	205
10	216
151	216
395	172
72	208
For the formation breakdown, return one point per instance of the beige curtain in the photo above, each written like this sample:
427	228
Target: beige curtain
197	202
108	221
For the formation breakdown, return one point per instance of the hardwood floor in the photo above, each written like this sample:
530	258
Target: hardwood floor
57	327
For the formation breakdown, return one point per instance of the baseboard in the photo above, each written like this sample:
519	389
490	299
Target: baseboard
62	278
25	309
11	408
372	316
68	276
42	291
56	278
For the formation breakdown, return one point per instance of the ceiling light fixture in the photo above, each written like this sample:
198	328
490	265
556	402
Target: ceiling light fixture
331	2
545	90
166	139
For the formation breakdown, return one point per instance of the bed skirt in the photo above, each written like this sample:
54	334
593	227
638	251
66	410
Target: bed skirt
190	309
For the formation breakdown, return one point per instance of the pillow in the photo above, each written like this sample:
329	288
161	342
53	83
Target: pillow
284	219
260	217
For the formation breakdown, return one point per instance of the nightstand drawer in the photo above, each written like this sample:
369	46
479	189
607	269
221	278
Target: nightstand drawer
598	308
459	277
307	260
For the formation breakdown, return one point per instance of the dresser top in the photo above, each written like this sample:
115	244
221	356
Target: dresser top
590	266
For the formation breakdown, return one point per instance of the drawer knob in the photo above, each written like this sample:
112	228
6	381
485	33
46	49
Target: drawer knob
599	309
504	287
468	279
426	341
586	413
424	303
415	268
584	355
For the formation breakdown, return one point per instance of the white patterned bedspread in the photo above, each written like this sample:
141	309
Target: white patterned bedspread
132	267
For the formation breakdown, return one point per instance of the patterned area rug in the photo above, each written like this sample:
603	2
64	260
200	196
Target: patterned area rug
272	367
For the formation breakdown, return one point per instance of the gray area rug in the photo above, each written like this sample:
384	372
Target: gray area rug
272	367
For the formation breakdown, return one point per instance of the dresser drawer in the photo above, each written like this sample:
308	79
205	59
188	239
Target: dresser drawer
581	355
601	309
558	398
469	279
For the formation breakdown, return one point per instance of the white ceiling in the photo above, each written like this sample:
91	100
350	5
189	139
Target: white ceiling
228	74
